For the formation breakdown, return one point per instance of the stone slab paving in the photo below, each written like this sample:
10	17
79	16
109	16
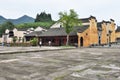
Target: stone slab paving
72	64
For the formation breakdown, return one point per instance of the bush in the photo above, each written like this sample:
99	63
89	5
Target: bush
34	42
14	39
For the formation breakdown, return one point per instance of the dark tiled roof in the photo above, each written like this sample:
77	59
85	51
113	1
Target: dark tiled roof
84	20
112	20
99	25
54	32
92	17
118	29
82	28
34	33
61	31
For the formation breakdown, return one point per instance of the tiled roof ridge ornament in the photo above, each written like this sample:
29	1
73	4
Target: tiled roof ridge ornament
103	21
112	20
92	17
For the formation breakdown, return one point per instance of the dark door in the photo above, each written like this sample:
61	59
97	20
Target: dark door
59	42
81	41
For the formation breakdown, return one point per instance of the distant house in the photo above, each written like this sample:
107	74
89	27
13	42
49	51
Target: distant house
35	33
9	34
40	29
19	34
56	25
57	35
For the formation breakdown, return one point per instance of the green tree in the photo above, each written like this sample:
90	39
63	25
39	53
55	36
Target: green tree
34	42
69	21
43	17
6	25
37	18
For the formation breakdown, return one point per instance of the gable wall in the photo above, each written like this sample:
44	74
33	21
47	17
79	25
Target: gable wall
90	35
104	37
112	28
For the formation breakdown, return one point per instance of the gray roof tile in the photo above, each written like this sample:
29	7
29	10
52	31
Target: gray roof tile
34	33
61	31
118	29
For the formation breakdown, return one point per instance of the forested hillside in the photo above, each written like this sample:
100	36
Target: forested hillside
43	20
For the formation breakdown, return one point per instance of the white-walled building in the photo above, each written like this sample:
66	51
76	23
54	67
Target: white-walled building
15	33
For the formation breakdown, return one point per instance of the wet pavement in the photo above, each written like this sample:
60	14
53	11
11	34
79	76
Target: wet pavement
72	64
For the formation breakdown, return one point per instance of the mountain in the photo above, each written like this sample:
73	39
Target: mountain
2	19
23	19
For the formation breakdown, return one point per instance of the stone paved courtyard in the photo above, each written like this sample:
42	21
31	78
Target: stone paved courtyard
73	64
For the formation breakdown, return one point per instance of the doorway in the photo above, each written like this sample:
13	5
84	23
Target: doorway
81	41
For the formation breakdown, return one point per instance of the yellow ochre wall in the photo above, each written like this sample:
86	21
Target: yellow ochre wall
112	27
90	35
117	34
104	37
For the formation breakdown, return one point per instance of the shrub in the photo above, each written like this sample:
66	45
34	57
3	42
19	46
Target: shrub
14	39
34	42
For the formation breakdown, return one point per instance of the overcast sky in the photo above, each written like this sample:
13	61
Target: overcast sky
101	9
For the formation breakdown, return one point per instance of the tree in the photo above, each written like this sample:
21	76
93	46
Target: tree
6	25
69	21
37	18
43	17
